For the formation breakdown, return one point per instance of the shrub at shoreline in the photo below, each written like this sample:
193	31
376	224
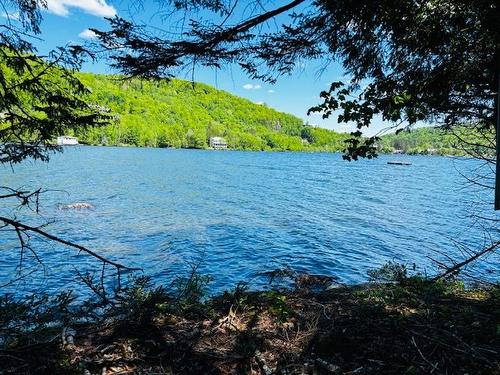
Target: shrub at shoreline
392	325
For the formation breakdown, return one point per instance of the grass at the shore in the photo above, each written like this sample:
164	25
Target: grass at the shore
410	326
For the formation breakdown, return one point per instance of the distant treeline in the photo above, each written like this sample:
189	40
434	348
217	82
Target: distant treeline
460	141
181	114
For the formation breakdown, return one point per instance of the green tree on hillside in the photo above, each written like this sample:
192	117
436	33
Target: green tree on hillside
40	99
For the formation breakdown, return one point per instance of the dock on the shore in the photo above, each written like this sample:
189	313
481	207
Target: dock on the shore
397	162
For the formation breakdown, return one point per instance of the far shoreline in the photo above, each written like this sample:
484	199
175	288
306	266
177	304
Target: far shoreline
318	151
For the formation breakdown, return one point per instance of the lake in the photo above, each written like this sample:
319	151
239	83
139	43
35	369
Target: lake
238	214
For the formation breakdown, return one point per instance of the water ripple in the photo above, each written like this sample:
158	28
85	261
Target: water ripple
242	213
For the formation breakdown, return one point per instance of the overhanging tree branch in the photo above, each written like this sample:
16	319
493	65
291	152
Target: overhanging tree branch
20	227
146	56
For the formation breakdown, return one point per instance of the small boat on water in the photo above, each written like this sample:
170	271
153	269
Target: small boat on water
397	162
66	140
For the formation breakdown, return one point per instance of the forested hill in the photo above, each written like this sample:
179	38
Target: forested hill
178	113
438	141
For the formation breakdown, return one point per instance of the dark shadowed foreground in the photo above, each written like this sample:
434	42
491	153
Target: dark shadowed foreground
409	326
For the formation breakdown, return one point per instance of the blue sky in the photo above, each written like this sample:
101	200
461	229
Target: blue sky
67	22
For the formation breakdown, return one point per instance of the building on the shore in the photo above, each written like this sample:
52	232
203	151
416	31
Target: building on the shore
66	140
218	143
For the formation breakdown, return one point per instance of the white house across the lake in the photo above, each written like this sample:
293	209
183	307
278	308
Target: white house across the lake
218	143
66	140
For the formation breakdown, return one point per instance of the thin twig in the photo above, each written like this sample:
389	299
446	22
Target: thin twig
23	227
462	264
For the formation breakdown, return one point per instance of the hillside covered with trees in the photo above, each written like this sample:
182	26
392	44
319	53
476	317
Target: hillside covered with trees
182	114
436	141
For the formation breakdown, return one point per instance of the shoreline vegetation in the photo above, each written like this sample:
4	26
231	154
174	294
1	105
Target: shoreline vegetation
182	114
381	152
395	324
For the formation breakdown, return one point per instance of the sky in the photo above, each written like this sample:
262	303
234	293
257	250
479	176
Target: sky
68	22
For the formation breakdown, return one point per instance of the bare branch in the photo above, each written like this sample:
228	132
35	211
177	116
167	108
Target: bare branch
18	226
456	268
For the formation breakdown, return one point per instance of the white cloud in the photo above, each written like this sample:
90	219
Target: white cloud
97	8
270	91
260	103
250	86
87	34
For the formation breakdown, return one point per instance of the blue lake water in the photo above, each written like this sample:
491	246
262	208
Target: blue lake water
241	213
